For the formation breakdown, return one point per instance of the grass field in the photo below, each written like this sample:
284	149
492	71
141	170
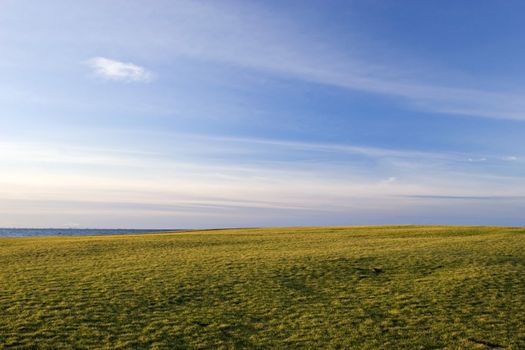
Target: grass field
403	287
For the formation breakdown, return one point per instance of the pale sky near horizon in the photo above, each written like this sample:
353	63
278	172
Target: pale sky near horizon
194	114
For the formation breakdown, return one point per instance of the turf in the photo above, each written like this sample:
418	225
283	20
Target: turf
334	287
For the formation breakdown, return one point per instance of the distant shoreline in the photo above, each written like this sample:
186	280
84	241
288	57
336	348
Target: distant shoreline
64	232
50	232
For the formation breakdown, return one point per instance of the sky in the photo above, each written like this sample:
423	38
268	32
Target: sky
198	114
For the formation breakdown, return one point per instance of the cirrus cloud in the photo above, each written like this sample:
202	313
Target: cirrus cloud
119	71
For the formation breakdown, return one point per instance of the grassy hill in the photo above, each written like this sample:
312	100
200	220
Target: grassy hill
332	287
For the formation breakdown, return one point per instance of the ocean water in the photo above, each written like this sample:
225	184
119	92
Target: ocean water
28	232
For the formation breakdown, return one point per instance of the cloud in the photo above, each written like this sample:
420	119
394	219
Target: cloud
103	186
120	71
280	44
372	152
389	180
254	36
477	198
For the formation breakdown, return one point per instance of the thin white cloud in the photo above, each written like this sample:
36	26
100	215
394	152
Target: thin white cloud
120	71
257	37
389	180
281	45
483	159
120	185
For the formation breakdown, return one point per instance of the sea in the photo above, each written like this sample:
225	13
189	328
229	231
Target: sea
31	232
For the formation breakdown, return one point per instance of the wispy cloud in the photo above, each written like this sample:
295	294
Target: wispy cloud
475	198
114	184
483	159
254	37
281	45
120	71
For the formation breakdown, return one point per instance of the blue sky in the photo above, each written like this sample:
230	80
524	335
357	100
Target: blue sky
168	114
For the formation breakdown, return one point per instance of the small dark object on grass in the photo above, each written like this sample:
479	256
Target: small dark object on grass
486	343
377	270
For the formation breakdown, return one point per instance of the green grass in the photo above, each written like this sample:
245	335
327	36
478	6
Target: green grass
334	287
